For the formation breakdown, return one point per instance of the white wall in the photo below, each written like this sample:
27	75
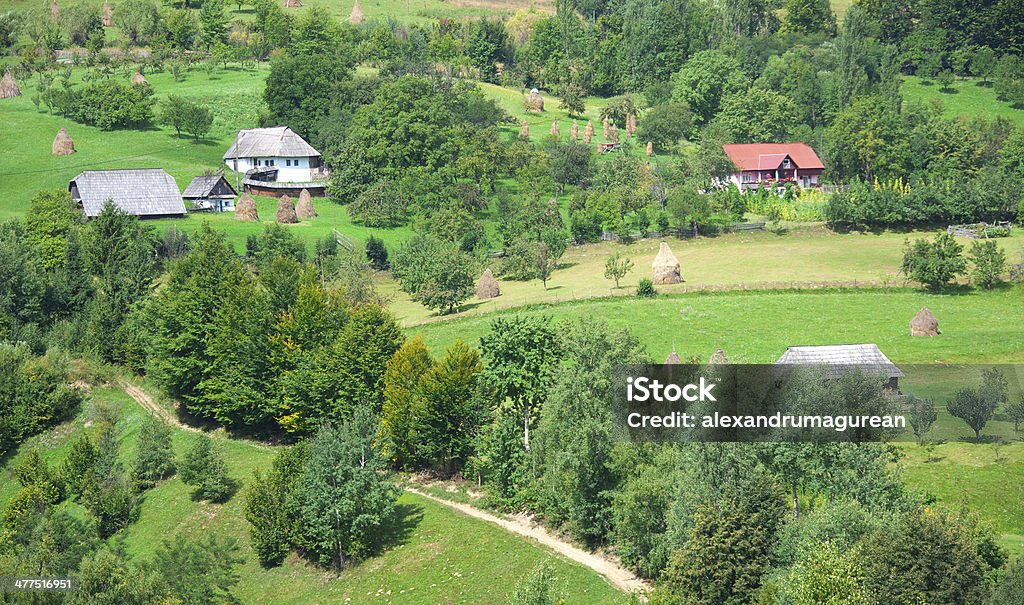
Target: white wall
298	172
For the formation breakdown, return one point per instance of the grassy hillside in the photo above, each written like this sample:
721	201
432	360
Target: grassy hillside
436	555
966	97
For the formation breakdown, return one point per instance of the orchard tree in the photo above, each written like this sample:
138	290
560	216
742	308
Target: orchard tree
616	267
989	263
933	263
1015	412
665	125
450	282
573	100
983	63
976	406
922	415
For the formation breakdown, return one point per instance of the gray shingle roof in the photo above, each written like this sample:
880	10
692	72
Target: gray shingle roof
866	358
276	142
144	192
201	186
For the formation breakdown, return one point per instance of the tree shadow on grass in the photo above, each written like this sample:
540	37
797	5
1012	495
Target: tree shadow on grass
399	528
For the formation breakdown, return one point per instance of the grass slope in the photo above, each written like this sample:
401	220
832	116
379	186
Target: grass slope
438	555
965	98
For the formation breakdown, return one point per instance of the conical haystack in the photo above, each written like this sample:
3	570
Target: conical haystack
286	211
54	11
613	134
107	14
8	87
62	143
304	207
535	102
293	3
588	133
245	209
524	130
924	323
574	132
356	16
555	130
718	358
630	125
666	266
650	149
487	286
138	78
604	128
673	357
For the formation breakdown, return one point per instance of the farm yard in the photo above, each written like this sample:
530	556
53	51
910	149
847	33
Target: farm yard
321	301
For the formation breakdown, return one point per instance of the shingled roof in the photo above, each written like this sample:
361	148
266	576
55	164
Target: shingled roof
769	156
202	186
837	359
142	192
276	142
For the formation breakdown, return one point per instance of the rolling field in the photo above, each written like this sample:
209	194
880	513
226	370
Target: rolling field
967	99
436	555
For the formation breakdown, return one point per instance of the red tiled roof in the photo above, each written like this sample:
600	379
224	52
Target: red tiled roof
769	156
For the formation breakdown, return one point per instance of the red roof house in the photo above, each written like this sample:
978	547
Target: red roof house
773	165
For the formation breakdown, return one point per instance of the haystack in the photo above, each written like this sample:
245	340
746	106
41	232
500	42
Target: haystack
138	78
293	3
613	134
107	14
304	208
604	128
924	323
673	357
650	149
62	143
718	358
574	132
666	266
588	133
245	209
356	16
286	211
535	102
524	130
630	125
54	11
556	131
487	286
8	87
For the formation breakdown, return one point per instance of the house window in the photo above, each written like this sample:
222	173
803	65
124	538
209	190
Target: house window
270	162
785	163
747	177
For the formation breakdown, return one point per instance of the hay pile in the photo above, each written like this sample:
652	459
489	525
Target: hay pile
535	102
524	130
718	358
245	209
666	266
924	323
613	134
138	78
588	133
650	149
673	357
630	125
574	132
107	14
356	16
54	11
286	211
487	286
8	87
604	128
293	3
556	131
304	208
62	143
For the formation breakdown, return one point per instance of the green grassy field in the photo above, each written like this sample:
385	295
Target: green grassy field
437	555
966	98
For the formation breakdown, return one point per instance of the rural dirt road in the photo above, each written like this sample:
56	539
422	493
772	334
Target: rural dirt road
150	405
618	576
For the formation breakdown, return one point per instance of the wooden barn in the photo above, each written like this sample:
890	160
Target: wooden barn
839	359
146	193
210	193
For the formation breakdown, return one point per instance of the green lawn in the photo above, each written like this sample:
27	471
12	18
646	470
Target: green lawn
966	97
437	555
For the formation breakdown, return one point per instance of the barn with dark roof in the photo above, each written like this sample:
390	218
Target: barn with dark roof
210	192
146	193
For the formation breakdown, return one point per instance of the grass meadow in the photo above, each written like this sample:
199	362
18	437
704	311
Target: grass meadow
966	97
436	555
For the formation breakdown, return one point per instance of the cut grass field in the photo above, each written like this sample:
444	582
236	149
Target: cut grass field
965	98
436	555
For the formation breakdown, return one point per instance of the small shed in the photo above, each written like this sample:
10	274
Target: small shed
146	192
210	193
839	359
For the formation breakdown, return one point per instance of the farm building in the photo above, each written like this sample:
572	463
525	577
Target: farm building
210	192
839	359
146	193
276	162
773	165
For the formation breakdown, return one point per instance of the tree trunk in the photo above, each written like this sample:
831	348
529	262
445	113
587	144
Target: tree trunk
526	428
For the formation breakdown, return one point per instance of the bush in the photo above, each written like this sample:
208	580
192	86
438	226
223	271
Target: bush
109	104
989	263
377	253
646	289
933	263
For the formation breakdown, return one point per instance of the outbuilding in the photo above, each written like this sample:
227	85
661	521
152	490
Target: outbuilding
146	192
210	192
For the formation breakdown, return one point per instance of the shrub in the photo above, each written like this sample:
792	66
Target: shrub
989	263
645	289
109	104
933	263
377	253
203	467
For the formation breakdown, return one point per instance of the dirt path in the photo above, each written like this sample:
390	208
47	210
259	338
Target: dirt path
150	405
620	577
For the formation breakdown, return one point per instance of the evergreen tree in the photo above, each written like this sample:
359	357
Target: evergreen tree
451	413
203	467
154	459
401	415
270	503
